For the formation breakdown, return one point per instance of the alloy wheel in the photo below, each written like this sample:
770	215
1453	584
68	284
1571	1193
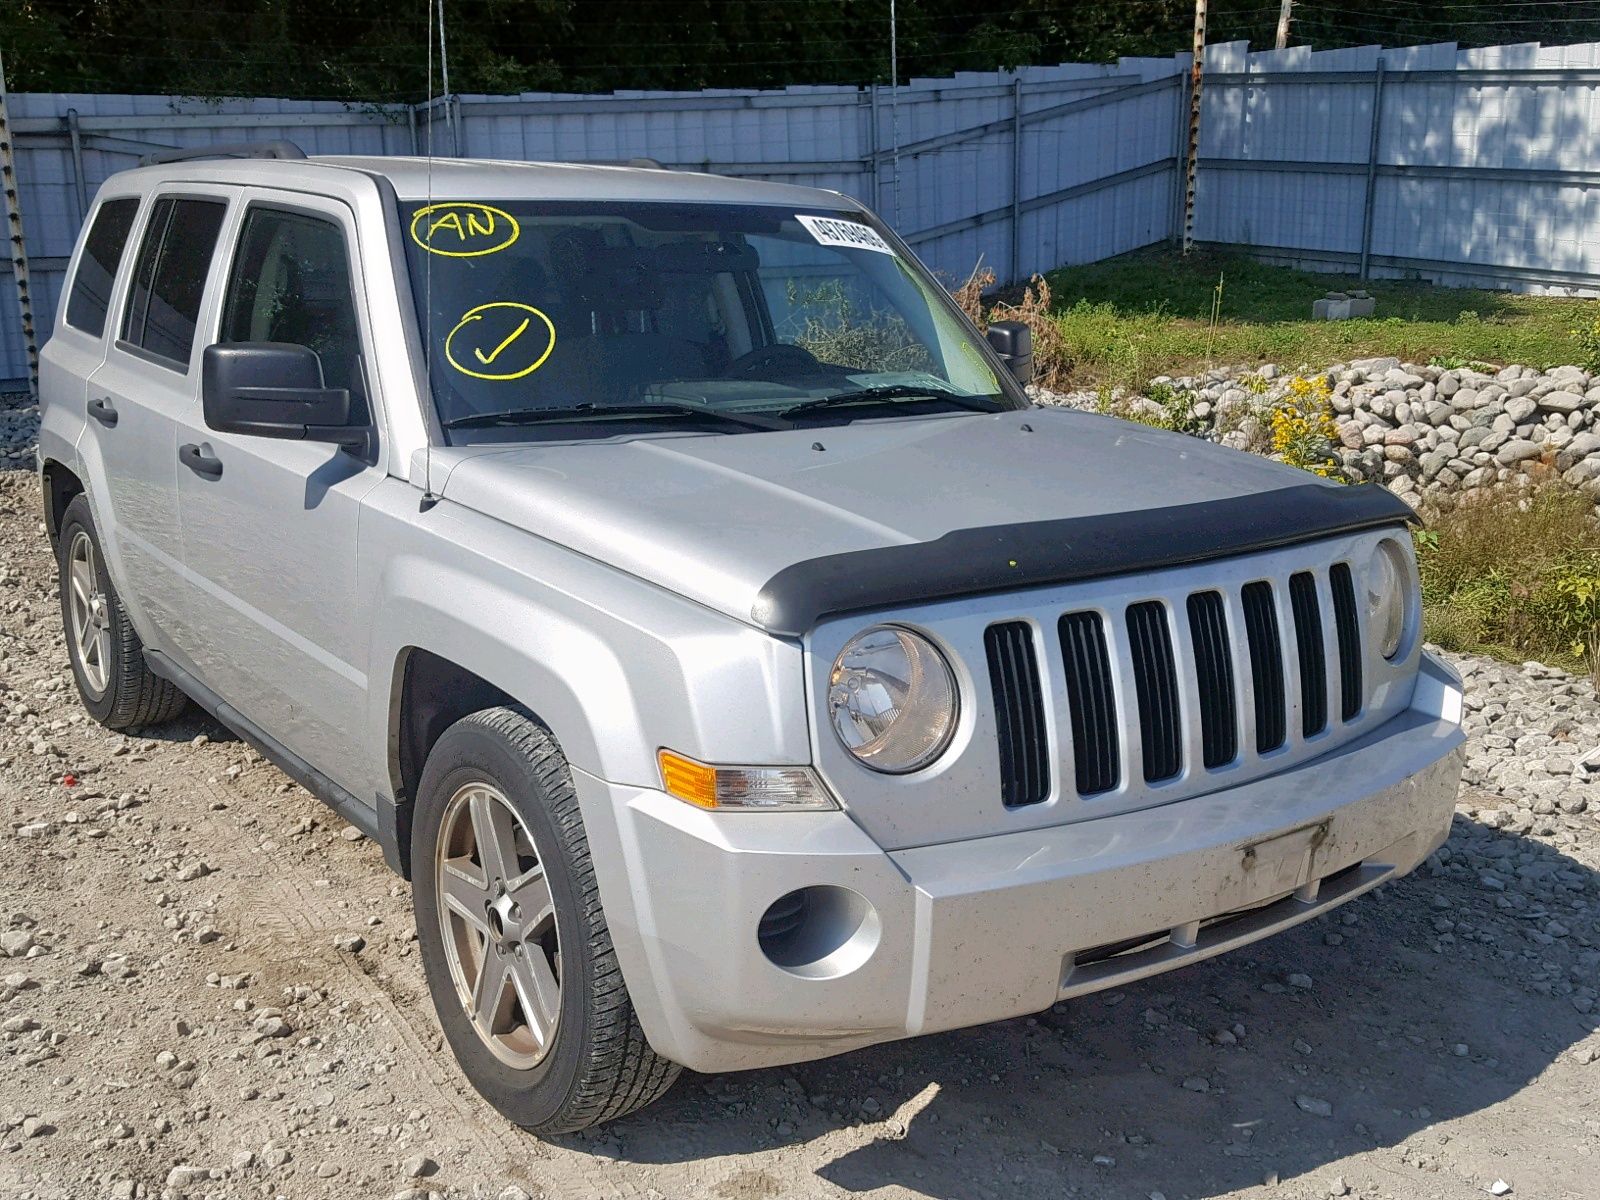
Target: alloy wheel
91	614
499	925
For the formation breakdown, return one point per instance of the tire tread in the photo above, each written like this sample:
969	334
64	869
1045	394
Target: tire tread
623	1073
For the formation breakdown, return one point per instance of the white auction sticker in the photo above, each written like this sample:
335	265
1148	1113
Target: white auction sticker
852	235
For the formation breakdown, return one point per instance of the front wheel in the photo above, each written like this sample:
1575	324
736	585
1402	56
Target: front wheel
518	956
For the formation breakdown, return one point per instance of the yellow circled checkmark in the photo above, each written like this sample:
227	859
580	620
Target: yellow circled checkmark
495	353
532	319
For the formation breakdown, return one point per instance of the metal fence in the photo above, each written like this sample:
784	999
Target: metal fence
1461	166
1465	166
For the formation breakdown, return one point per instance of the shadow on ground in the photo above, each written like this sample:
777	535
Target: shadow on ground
1405	1025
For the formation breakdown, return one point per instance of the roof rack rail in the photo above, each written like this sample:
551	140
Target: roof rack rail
275	149
637	161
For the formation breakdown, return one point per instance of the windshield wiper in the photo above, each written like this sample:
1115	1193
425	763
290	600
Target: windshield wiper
893	393
589	412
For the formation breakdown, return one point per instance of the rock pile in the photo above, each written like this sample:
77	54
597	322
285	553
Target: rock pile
1426	432
19	431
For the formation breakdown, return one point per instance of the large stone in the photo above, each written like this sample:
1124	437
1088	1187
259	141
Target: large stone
1580	472
1465	399
1449	384
1520	408
1374	366
1585	443
1561	401
1439	413
1432	463
1405	435
1516	450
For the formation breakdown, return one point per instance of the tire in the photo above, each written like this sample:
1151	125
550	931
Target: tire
499	770
108	665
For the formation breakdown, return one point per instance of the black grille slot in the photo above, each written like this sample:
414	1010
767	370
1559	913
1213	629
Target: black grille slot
1349	631
1213	666
1266	665
1018	714
1093	703
1308	644
1155	680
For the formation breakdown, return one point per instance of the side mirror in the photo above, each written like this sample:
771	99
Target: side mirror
1013	342
275	390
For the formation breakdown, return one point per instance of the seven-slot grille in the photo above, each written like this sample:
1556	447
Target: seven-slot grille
1257	627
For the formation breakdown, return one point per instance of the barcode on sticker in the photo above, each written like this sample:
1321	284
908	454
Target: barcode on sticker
852	235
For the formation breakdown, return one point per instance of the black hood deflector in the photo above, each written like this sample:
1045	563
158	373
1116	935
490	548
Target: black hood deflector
1003	558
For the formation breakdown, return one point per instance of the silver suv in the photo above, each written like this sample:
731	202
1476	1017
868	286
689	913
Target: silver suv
690	601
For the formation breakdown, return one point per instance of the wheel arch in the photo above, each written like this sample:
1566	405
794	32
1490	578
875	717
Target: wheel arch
432	690
60	486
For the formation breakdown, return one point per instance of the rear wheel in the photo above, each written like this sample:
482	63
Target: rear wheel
518	956
116	686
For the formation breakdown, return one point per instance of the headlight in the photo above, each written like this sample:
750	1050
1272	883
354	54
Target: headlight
1386	597
892	699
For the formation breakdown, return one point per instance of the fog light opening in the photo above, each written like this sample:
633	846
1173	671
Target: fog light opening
819	932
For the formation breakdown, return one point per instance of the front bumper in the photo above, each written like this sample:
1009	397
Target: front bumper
996	927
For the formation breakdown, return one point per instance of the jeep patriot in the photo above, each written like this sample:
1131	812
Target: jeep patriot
692	604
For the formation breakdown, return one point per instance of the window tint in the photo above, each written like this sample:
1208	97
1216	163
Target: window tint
97	268
170	279
291	283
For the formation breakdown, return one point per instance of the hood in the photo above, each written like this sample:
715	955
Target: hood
716	517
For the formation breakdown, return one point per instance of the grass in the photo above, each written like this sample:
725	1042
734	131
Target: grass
1144	314
1515	576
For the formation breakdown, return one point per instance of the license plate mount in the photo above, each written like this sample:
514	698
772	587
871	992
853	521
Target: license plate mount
1274	866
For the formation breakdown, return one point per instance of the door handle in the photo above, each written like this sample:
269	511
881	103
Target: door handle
102	410
201	464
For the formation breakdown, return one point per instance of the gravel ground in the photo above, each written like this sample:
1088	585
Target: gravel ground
211	988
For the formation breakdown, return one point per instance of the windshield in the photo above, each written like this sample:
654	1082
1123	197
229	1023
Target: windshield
560	320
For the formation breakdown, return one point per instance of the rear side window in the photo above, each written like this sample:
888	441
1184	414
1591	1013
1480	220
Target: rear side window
97	267
169	280
291	283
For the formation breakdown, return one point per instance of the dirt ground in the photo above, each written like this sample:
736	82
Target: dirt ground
182	1014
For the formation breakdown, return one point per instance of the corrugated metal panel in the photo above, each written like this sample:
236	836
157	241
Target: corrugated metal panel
1097	176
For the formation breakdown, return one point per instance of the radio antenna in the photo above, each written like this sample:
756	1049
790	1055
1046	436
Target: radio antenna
429	499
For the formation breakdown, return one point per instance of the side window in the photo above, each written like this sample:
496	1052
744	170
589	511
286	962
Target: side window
97	267
169	280
291	283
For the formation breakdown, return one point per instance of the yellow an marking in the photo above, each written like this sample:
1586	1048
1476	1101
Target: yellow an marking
453	220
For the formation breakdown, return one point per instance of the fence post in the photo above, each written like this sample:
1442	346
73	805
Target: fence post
1016	180
1372	166
19	250
77	164
1180	133
1192	162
